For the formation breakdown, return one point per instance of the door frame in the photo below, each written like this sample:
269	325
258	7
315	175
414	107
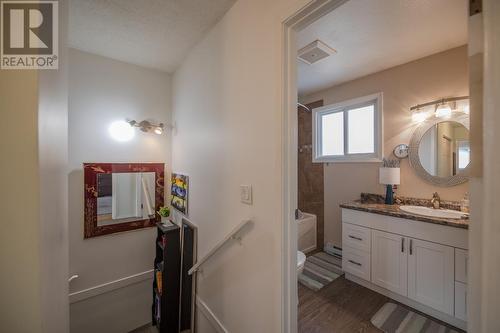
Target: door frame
296	22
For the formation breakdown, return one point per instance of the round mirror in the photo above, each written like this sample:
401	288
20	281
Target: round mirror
440	151
444	149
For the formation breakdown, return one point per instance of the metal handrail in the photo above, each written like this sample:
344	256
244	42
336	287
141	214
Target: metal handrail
231	235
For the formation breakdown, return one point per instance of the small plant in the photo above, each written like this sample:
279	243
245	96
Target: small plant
164	211
390	163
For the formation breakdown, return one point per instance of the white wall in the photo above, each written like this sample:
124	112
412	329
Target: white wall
440	75
101	91
227	107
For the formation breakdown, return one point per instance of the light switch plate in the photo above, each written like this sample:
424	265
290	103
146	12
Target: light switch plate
246	194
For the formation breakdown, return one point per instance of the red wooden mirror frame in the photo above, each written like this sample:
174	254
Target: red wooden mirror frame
91	170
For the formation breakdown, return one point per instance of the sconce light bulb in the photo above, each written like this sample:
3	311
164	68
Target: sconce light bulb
443	110
466	109
121	131
158	130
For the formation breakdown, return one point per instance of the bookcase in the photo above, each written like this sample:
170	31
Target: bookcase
173	307
167	279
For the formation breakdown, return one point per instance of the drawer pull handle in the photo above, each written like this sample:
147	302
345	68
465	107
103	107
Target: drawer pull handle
403	245
411	246
356	238
354	262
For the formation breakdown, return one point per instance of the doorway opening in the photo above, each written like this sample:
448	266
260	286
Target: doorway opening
361	78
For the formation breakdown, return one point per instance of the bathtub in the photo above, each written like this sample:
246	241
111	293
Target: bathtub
306	232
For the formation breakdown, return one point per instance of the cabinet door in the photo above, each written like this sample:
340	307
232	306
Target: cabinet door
461	300
431	275
389	261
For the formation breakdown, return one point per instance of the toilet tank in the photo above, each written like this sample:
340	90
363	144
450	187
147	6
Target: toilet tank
306	232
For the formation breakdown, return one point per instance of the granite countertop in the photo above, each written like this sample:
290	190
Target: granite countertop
395	211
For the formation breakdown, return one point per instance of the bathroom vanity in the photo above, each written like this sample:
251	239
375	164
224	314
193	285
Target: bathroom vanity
417	260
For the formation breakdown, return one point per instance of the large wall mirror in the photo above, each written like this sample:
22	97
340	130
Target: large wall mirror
122	196
440	150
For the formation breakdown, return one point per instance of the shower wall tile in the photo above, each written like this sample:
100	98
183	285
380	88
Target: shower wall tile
310	175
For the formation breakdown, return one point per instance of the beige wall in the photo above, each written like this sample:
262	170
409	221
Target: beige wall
102	90
484	236
227	102
53	164
441	75
33	200
19	239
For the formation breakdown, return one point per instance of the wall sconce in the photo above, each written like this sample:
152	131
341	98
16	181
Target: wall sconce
147	126
443	108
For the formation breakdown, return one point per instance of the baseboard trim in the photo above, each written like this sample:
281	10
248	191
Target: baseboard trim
81	295
411	303
205	310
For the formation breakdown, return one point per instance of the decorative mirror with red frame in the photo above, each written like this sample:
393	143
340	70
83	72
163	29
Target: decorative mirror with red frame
122	196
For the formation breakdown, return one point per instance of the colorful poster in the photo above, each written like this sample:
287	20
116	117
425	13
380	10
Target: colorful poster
179	193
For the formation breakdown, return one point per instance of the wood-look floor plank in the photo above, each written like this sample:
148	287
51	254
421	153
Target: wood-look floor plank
341	307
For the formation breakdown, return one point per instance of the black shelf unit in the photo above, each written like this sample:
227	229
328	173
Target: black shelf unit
167	279
187	286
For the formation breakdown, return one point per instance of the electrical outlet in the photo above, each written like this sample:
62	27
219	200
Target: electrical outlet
246	194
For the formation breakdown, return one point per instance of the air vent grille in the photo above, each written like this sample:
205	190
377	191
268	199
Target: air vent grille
315	51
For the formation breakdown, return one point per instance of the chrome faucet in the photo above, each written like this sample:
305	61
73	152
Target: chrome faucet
436	201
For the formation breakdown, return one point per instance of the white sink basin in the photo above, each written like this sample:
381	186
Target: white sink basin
426	211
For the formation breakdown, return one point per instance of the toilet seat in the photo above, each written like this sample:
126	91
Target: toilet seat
301	260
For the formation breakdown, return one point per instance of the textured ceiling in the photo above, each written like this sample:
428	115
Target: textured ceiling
151	33
373	35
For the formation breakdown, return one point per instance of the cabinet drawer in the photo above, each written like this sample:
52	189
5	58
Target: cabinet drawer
461	301
356	262
356	237
461	263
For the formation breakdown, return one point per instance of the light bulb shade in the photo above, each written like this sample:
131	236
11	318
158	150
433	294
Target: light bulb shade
389	176
121	131
159	129
418	116
443	110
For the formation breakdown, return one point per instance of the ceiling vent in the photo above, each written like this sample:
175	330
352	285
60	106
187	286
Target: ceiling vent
315	51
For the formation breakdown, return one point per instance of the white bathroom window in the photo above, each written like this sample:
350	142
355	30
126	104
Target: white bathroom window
350	131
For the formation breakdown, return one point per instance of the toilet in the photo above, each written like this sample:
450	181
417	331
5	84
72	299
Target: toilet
301	261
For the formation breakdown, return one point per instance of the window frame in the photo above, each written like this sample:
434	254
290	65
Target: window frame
344	106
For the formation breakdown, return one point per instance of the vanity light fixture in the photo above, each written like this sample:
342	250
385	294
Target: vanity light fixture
443	108
147	126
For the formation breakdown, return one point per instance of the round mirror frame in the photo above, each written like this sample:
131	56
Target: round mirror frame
414	158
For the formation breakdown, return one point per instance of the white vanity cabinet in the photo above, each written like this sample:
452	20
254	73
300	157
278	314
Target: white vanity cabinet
417	263
431	275
461	266
390	262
